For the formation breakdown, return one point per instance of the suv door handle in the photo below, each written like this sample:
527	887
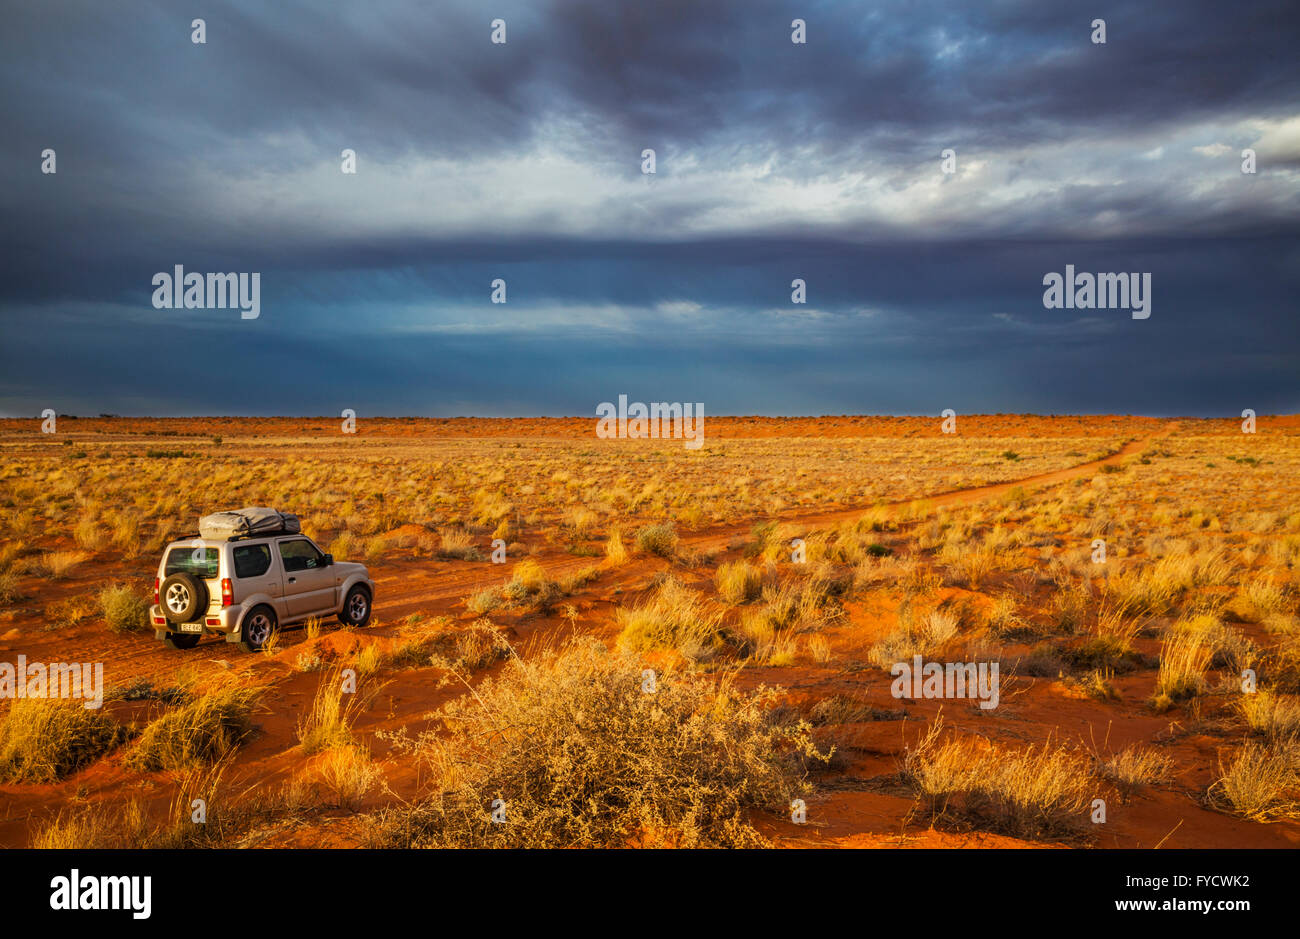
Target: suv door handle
293	580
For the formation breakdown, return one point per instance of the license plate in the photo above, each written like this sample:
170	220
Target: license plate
191	627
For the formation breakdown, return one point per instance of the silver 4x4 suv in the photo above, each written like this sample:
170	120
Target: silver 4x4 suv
247	586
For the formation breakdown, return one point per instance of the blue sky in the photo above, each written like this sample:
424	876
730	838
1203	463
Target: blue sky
775	161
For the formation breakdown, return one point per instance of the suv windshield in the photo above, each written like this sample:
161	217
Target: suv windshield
182	560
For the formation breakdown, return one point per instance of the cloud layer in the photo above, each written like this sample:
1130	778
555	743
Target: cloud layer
775	161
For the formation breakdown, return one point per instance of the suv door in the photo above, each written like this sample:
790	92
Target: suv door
254	570
309	586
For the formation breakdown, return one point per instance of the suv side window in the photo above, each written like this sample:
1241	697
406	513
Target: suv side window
180	560
299	556
252	560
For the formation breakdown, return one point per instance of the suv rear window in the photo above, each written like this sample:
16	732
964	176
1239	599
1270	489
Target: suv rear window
181	560
252	560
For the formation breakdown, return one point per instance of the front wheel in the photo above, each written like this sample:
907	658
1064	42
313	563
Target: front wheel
257	629
356	607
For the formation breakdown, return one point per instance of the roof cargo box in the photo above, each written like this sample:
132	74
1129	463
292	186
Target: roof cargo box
246	523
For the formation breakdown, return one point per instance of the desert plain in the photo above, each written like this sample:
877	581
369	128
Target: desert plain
680	647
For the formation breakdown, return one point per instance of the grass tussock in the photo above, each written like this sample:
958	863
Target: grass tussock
658	539
485	601
529	586
43	740
205	729
113	827
1134	768
348	774
334	709
1228	647
615	550
222	820
1259	782
769	633
568	750
444	644
1110	646
1184	657
1039	791
1270	714
59	565
912	636
672	617
1257	599
838	709
9	590
458	544
738	582
124	610
475	647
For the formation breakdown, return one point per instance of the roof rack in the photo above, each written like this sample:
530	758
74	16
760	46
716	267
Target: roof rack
191	536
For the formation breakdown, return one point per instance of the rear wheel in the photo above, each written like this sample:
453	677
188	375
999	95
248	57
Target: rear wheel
356	607
181	640
257	629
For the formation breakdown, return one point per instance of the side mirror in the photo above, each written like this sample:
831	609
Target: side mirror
329	559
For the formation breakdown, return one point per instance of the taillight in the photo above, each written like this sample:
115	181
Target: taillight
156	584
227	592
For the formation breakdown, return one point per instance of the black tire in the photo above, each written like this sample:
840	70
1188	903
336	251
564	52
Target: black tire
258	627
356	607
181	640
183	598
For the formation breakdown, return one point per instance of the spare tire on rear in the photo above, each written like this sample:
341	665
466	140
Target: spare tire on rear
183	598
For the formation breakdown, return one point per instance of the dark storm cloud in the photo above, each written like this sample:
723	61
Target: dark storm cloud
776	161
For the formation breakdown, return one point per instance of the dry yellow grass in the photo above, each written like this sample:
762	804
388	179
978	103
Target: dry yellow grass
1040	790
913	636
1259	781
348	773
1184	657
203	730
328	723
615	551
672	617
1135	767
657	539
1271	714
568	750
114	827
59	565
46	739
738	582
